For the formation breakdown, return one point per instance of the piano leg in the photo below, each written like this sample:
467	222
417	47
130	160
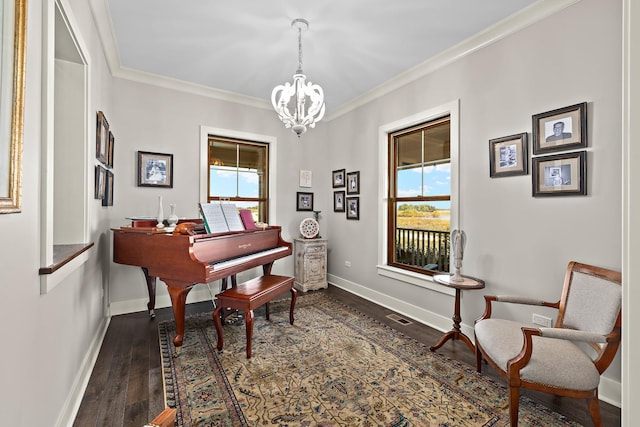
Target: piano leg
151	288
178	292
217	322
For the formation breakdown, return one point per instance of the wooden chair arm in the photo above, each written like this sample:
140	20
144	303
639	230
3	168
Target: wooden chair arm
522	359
166	418
513	300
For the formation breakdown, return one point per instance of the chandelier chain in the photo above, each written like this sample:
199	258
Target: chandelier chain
299	50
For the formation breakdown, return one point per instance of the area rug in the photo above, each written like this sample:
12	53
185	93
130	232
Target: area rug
333	367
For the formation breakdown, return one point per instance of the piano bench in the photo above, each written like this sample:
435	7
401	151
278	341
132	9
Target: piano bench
250	295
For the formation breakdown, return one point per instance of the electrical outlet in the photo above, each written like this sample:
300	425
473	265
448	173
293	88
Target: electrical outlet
541	320
347	263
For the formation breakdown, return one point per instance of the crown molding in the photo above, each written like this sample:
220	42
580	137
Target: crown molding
516	22
512	24
188	87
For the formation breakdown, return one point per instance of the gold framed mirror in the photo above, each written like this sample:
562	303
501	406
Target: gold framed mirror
12	79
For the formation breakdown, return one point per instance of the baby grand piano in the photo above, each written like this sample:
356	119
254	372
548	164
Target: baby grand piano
181	261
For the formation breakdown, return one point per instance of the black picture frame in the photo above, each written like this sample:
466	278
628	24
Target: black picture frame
304	201
353	207
508	156
338	201
561	129
560	175
107	200
353	182
102	138
112	141
338	179
100	179
155	169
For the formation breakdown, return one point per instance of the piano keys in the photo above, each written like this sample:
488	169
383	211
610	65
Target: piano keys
182	261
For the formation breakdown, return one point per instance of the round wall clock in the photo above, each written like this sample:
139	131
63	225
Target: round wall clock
309	228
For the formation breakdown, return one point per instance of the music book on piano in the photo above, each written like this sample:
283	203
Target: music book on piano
247	219
232	217
220	217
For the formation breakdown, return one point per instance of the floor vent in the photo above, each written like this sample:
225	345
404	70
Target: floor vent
399	319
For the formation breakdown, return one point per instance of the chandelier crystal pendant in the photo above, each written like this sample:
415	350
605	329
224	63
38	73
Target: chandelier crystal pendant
290	100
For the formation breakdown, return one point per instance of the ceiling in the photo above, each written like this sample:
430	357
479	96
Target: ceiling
248	47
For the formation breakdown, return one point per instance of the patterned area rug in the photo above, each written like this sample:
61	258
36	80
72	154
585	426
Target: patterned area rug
333	367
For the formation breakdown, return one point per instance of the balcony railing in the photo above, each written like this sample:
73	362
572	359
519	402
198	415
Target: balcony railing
423	248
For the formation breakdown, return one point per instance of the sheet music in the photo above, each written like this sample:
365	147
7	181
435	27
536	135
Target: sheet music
213	217
231	214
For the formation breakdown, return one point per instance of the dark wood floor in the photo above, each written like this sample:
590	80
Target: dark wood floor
125	388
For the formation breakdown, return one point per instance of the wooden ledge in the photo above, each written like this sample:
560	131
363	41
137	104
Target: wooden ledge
63	254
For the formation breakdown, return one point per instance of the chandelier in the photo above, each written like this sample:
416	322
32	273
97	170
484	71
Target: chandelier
292	112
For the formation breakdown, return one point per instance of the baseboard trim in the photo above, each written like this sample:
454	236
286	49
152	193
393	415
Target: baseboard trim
72	404
609	391
436	321
197	294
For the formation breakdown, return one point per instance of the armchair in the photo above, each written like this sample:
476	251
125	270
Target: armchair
567	359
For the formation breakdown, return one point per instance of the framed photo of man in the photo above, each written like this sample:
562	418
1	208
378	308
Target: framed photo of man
561	129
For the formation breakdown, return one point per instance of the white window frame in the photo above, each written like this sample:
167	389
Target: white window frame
79	217
452	109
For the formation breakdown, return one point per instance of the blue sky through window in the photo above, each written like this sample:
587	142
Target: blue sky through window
232	182
435	181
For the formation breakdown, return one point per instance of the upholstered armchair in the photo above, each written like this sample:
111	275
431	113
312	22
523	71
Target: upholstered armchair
567	359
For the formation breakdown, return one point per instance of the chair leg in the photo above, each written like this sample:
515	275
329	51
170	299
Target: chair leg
478	358
514	405
594	409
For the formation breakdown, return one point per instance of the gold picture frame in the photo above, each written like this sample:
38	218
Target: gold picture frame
13	98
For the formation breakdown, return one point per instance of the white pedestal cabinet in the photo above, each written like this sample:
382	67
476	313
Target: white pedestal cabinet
310	264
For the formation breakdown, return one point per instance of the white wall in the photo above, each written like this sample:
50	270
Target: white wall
516	243
48	340
151	118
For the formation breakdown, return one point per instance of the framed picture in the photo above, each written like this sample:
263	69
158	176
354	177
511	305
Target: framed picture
561	129
155	169
508	156
560	175
102	138
304	201
110	150
353	183
353	207
107	200
101	174
338	178
338	201
305	178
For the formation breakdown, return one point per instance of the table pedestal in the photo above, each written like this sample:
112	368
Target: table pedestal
455	333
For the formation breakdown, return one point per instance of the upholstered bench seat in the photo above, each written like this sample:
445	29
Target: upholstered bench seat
564	364
250	295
